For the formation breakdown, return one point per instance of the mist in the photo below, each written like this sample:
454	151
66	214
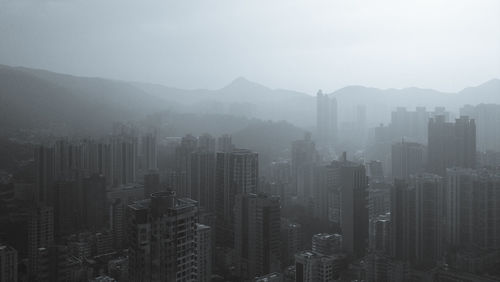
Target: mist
443	45
249	140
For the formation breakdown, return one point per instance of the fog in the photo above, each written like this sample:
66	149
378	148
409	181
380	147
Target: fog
219	141
298	45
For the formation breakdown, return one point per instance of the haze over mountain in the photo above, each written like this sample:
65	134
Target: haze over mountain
33	98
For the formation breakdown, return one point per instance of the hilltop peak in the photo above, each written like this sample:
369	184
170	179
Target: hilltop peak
241	83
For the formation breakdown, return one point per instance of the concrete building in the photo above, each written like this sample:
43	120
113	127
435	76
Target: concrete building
203	253
407	158
326	244
257	234
326	120
237	172
451	144
162	239
8	263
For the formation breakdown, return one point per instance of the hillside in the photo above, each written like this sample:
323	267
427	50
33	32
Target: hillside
40	99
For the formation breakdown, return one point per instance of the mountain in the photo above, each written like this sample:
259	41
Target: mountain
380	102
45	100
242	98
488	92
31	98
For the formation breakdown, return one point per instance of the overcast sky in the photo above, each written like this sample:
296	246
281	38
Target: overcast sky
300	45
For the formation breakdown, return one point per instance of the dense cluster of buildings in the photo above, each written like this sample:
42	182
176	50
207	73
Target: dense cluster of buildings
135	206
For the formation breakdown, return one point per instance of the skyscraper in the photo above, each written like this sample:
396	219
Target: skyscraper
149	152
237	172
45	174
8	263
203	253
224	144
429	210
486	210
202	178
314	267
291	240
206	143
451	144
40	235
354	208
407	159
487	117
459	199
403	216
409	124
123	160
304	159
68	209
257	234
327	121
94	202
326	244
162	239
183	152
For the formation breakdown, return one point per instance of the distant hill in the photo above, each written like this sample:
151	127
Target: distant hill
41	99
242	98
31	98
380	102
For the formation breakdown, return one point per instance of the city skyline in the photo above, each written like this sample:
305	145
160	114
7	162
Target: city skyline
249	141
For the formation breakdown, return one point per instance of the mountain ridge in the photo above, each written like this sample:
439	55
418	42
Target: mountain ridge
38	97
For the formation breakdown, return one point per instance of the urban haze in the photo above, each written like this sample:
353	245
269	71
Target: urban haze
265	141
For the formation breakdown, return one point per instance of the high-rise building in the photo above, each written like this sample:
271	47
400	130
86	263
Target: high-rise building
459	213
354	208
322	187
206	143
451	144
327	120
375	171
151	183
257	234
486	210
361	124
271	277
94	202
202	178
67	208
407	159
149	152
380	239
55	264
291	240
314	267
118	200
487	117
123	160
224	144
8	263
162	239
203	253
304	159
429	210
236	173
379	199
40	235
409	124
44	174
403	221
326	244
183	152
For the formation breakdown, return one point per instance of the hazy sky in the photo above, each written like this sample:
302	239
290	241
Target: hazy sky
300	45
